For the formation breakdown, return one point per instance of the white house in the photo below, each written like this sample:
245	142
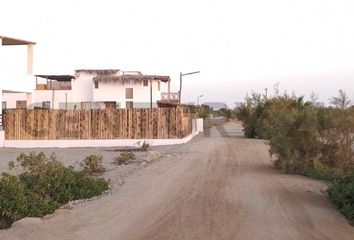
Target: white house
91	89
87	88
13	99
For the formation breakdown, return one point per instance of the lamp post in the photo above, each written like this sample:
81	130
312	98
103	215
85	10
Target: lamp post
198	99
180	82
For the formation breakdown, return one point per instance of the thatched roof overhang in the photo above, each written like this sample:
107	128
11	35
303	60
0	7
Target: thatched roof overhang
13	41
131	78
99	72
59	78
12	91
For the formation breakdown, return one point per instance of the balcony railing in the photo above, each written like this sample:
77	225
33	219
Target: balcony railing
54	86
174	96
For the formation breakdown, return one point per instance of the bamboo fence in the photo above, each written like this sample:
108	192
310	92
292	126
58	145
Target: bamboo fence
40	124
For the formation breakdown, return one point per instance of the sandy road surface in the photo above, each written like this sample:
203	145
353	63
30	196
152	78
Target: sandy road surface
218	186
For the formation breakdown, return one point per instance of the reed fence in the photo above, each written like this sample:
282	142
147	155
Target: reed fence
40	124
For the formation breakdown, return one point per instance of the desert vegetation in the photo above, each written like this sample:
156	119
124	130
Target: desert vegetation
124	157
93	164
43	185
306	139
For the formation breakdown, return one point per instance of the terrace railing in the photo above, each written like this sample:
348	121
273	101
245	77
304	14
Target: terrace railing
174	96
54	86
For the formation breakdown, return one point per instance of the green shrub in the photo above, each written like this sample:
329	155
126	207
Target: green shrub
342	195
124	157
44	185
145	146
317	142
93	164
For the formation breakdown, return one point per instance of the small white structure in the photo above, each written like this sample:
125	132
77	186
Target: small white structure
15	99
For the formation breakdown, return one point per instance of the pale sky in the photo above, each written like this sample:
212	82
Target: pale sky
239	46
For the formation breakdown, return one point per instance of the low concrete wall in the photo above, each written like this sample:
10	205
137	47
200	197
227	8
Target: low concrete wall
2	138
200	127
92	143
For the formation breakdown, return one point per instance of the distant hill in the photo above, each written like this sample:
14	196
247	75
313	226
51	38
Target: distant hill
216	105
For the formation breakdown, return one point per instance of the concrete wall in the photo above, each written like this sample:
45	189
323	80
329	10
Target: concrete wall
2	138
92	143
200	125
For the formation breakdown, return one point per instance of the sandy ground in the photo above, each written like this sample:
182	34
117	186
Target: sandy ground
218	186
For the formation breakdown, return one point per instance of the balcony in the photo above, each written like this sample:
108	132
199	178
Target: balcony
54	85
169	100
172	97
53	82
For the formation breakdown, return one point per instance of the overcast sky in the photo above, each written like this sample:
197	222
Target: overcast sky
239	46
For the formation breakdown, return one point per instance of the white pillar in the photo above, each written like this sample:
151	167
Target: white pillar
1	100
0	80
29	59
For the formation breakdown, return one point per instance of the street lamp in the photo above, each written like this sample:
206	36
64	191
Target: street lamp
198	99
180	82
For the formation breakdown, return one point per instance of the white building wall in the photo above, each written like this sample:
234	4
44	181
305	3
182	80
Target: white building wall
1	98
57	98
115	91
82	87
11	98
83	90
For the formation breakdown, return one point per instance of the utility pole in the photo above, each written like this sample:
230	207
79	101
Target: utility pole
198	99
150	94
180	88
180	83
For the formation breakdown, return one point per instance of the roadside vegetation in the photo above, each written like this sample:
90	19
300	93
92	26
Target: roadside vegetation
43	185
202	111
307	139
225	112
93	165
124	157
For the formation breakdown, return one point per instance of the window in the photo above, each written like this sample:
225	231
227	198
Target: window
21	104
158	85
3	105
129	104
46	105
110	105
146	82
129	93
96	84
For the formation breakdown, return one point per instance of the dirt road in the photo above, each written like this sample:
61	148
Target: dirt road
218	186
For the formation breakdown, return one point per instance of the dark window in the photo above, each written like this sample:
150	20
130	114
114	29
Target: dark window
129	104
146	82
46	104
96	84
3	105
129	93
21	104
110	105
